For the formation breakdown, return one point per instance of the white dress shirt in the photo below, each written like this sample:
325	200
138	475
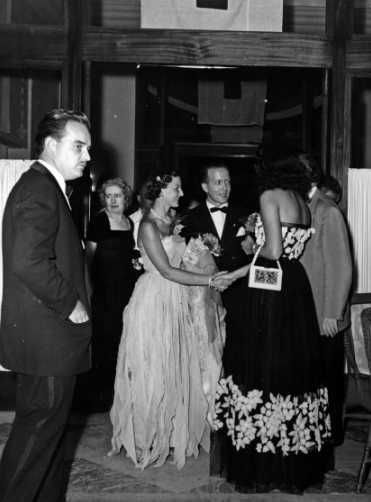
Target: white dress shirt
218	218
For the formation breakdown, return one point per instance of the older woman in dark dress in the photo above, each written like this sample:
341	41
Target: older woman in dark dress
110	247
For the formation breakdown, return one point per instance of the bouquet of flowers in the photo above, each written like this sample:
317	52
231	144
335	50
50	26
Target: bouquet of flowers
212	243
251	223
176	222
198	257
137	263
137	260
254	228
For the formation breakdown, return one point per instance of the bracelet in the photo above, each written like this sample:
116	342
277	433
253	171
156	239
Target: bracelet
210	279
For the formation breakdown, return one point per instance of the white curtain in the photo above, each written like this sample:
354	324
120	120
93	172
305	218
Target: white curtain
359	219
10	172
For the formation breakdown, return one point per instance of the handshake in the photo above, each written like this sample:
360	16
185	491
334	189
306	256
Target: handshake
221	281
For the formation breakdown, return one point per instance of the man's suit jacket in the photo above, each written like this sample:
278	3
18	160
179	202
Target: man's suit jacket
199	221
44	276
327	259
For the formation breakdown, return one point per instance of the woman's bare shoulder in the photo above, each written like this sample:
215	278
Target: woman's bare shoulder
273	195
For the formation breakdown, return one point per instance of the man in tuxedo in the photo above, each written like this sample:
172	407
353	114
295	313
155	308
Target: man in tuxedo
221	218
327	261
45	320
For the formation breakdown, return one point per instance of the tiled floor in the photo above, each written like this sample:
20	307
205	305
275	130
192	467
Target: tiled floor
91	476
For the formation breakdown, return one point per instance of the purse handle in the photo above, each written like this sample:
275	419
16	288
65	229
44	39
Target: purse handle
256	255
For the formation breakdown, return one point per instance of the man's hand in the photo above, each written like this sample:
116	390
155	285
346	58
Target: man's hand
247	245
330	326
79	314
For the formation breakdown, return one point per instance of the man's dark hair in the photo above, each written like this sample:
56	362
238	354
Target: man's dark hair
311	167
331	184
53	124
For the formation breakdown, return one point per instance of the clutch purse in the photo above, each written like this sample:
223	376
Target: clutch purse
263	277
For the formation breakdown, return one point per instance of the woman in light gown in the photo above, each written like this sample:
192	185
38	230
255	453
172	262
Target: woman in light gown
273	404
160	409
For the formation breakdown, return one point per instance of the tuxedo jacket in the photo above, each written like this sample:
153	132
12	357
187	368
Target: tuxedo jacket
327	259
199	221
44	276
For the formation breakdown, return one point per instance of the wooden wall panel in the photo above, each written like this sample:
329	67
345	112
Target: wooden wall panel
304	19
115	14
208	48
358	55
26	42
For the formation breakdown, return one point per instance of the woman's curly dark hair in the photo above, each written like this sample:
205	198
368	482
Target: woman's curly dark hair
282	171
157	183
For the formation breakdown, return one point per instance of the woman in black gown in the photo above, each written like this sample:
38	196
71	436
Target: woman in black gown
110	250
272	403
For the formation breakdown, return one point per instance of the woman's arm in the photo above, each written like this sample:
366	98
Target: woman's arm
269	212
236	274
150	238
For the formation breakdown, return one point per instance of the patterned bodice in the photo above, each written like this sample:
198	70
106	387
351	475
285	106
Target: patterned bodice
294	237
174	247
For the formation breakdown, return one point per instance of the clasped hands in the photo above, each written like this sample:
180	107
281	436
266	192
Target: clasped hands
220	281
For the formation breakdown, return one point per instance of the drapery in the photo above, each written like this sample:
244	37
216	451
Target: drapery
10	172
359	219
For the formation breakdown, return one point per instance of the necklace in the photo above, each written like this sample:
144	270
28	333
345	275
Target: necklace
164	219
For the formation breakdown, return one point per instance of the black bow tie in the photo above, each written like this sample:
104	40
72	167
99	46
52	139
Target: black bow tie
223	209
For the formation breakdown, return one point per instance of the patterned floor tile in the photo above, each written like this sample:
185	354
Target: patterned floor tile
84	476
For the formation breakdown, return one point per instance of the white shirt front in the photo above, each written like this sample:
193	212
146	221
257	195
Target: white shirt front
311	192
218	218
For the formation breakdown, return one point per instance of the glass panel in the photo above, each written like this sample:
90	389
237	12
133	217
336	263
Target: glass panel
38	12
115	14
304	16
362	17
25	95
361	123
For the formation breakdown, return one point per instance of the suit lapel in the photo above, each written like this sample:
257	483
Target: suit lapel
208	221
229	224
312	206
43	170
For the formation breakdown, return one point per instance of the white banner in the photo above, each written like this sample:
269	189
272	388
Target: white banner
359	219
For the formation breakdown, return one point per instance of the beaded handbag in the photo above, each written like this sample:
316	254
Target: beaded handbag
263	277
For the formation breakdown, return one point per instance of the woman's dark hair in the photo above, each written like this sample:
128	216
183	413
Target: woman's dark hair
284	171
54	123
157	183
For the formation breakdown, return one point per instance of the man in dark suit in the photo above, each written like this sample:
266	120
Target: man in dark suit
327	261
45	319
219	217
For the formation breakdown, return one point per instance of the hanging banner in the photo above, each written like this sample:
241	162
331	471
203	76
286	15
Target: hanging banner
223	15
